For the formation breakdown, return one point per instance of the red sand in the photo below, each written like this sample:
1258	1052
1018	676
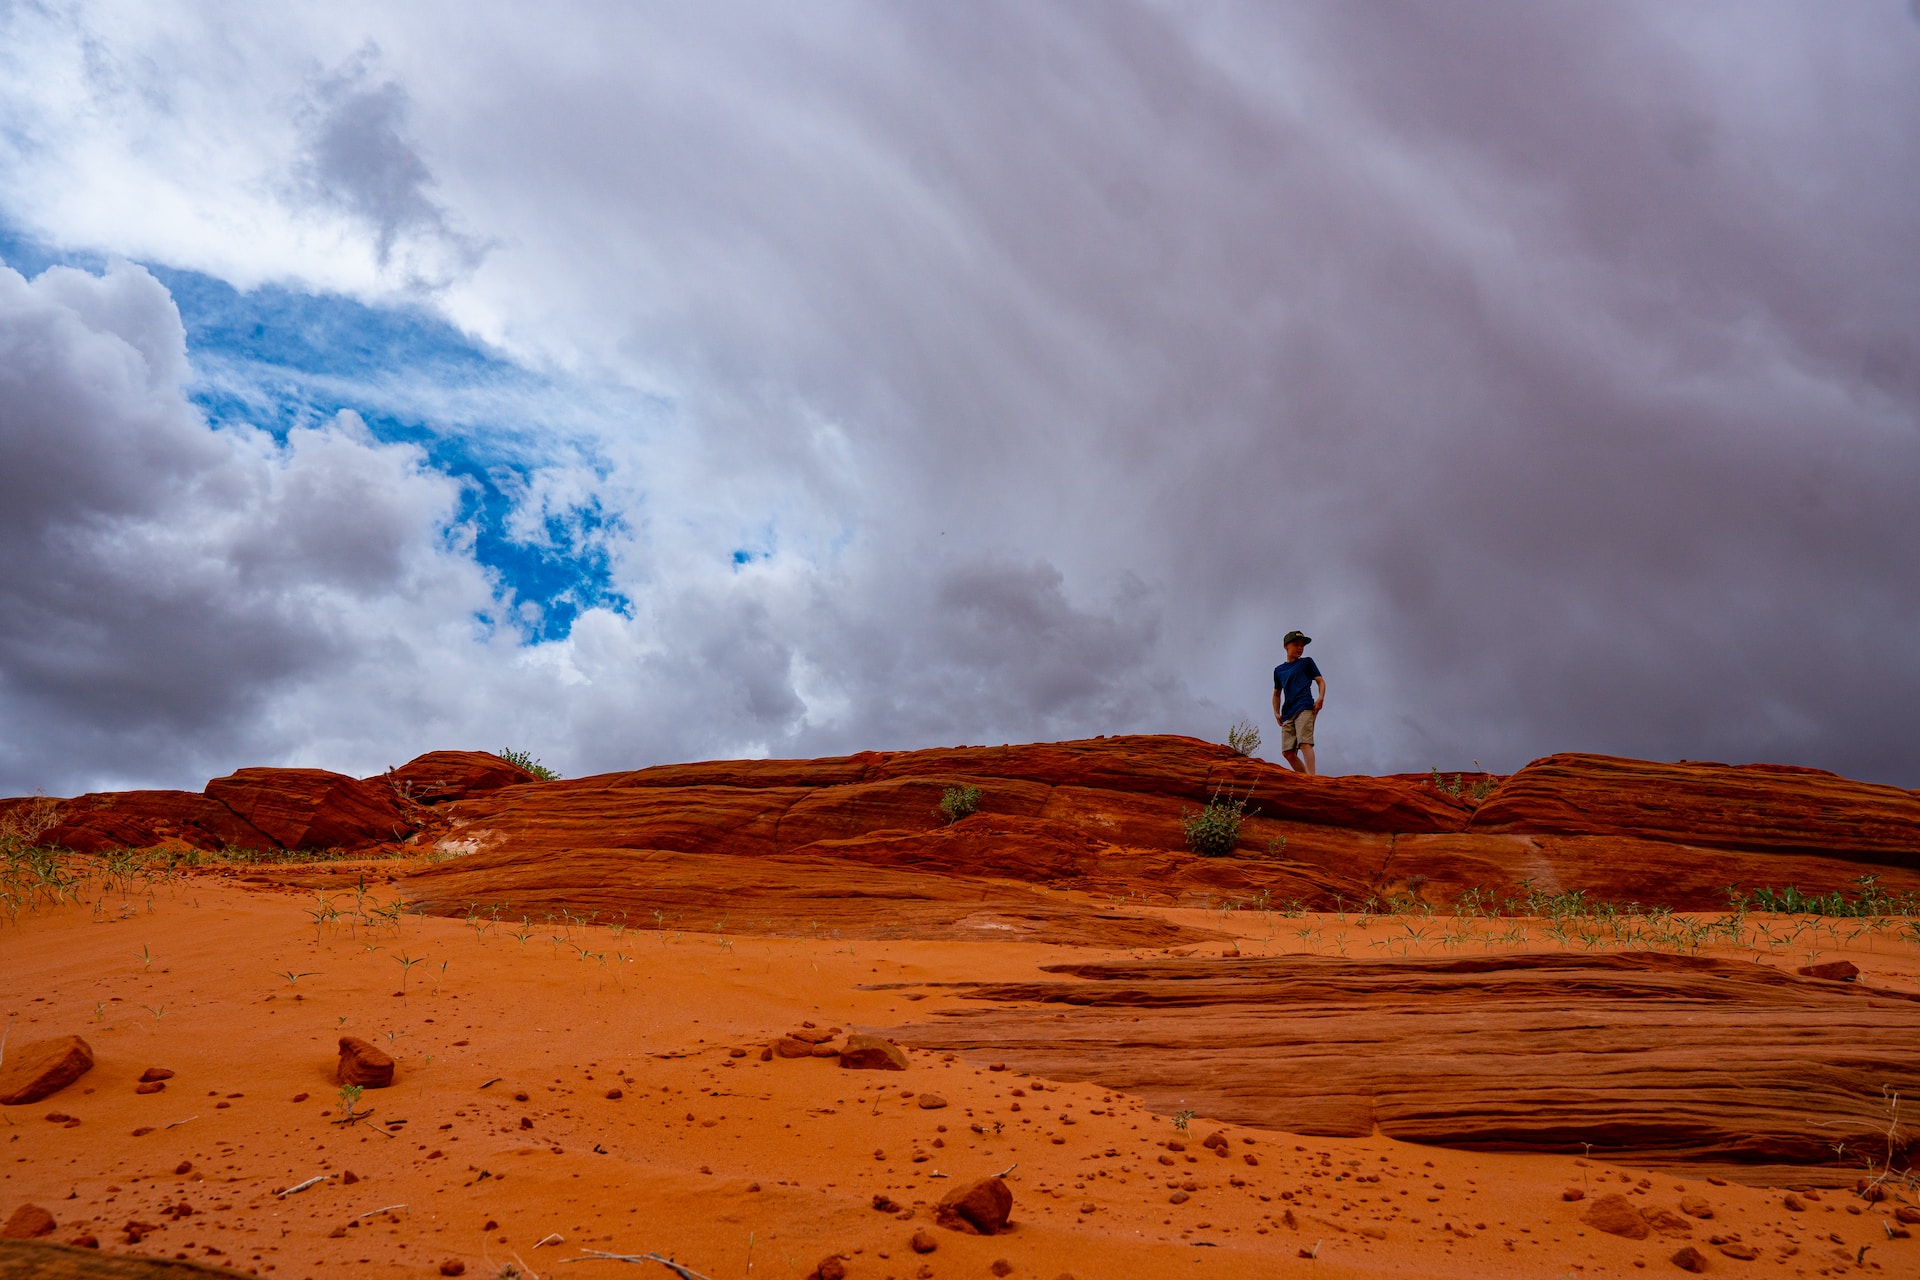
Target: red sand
734	1166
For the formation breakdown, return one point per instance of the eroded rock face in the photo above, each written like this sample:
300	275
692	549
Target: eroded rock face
141	819
315	809
42	1068
440	776
1716	1066
1772	808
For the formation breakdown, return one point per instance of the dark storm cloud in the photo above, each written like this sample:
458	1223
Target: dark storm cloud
1555	366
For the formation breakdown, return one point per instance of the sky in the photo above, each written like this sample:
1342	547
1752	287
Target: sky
635	382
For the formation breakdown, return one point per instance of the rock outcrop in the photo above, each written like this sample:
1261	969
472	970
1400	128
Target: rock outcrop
1715	1065
315	809
440	776
1756	807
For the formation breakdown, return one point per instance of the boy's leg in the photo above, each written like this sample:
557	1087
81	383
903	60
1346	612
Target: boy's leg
1293	761
1302	738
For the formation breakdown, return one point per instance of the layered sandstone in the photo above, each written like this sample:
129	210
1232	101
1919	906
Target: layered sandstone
1717	1065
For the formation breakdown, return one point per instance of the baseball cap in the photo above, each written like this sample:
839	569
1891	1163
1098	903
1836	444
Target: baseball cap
1300	637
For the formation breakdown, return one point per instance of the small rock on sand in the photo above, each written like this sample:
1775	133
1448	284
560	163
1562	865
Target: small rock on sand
1739	1249
363	1064
43	1068
28	1222
931	1102
453	1267
1000	1267
1573	1193
981	1208
923	1241
1689	1259
1908	1214
788	1047
872	1053
1616	1215
152	1074
1832	971
1695	1207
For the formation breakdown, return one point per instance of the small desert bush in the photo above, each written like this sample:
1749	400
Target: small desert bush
959	802
526	761
1213	831
1243	738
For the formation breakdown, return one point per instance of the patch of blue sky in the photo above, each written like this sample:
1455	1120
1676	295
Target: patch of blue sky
279	358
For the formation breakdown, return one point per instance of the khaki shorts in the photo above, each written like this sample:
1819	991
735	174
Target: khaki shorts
1297	732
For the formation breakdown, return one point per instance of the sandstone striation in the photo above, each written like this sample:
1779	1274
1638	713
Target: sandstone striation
1714	1065
315	809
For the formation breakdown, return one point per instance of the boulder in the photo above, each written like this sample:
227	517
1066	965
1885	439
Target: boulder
28	1222
440	776
979	1208
363	1064
315	809
1615	1215
872	1053
43	1068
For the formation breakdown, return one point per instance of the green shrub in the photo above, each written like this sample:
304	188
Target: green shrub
959	802
526	761
1213	831
1243	738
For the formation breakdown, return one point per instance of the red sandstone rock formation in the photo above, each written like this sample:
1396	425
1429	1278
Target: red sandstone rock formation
1756	807
315	809
140	819
1712	1064
364	1064
440	776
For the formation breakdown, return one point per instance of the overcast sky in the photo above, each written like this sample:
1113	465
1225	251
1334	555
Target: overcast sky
644	382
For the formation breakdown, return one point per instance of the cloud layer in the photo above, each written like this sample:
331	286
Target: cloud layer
935	375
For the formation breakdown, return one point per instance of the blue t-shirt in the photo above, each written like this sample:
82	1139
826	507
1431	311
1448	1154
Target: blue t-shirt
1294	683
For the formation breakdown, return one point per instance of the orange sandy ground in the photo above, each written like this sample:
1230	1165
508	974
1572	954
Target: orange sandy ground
734	1167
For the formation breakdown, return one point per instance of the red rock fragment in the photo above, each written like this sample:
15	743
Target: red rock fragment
1739	1249
872	1053
151	1086
1689	1258
28	1222
43	1068
1573	1193
788	1047
1908	1214
931	1102
453	1267
363	1064
152	1074
923	1241
1000	1267
831	1267
1616	1215
1832	971
980	1208
1695	1207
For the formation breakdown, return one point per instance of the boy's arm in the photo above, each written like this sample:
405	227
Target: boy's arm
1321	701
1276	704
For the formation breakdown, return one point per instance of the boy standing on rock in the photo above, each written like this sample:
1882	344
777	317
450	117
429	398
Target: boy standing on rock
1295	703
